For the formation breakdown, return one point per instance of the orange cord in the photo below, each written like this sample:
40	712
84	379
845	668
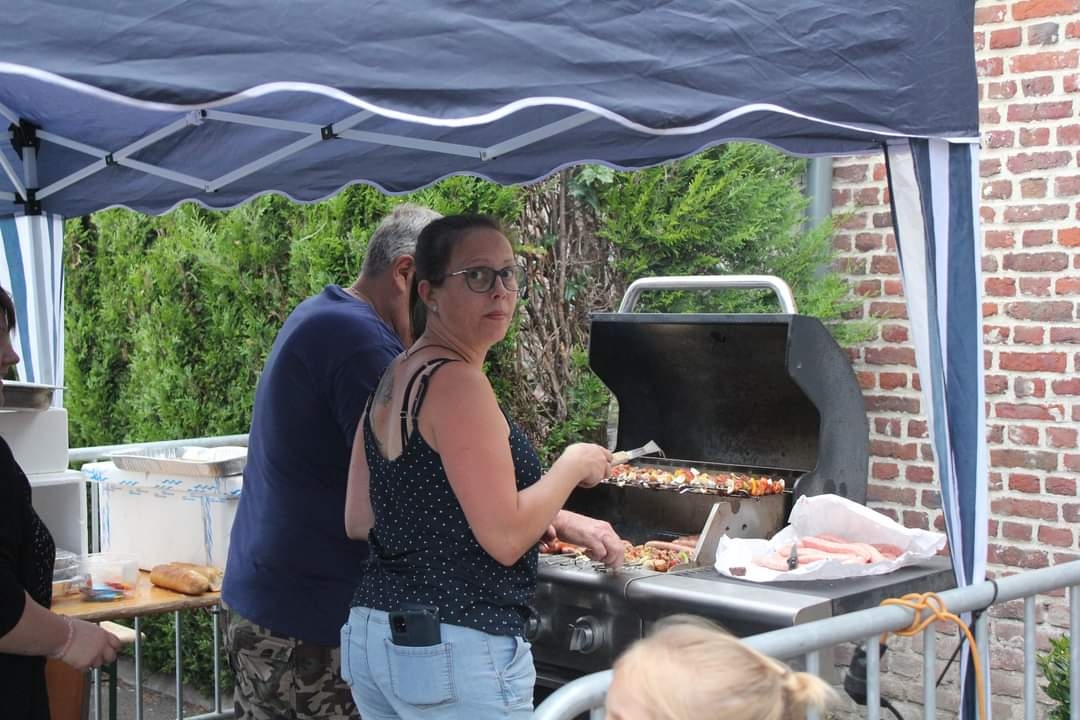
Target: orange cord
934	609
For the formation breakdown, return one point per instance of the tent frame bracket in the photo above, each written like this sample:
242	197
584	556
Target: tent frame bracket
28	134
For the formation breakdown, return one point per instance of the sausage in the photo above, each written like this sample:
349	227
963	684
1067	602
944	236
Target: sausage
805	554
555	546
673	547
808	555
875	554
891	552
569	549
772	562
830	546
181	579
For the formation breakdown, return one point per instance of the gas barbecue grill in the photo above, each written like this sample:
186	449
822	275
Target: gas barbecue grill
765	394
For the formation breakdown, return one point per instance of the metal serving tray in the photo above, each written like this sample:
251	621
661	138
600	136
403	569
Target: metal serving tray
27	396
189	460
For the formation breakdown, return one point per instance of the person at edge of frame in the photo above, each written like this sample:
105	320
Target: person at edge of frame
29	632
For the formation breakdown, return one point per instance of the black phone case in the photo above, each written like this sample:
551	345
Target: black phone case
415	626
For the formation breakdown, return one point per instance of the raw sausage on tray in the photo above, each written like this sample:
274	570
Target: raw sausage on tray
829	547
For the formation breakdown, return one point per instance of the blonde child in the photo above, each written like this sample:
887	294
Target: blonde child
689	669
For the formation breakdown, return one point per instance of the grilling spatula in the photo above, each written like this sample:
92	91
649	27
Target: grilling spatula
623	456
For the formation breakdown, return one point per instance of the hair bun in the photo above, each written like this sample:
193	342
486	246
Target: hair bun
806	690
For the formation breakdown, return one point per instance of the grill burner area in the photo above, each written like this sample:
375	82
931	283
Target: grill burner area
642	514
587	615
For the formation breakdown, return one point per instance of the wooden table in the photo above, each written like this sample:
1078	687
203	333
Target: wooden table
148	599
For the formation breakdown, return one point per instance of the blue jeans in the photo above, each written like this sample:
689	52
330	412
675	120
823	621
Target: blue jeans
470	674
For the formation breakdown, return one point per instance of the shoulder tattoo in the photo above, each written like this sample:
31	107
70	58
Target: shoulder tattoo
385	391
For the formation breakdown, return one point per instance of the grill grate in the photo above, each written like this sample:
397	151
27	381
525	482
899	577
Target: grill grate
717	471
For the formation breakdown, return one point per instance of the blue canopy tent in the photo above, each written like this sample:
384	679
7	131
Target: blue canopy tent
149	103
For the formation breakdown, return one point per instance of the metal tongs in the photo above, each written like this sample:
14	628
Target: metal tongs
623	456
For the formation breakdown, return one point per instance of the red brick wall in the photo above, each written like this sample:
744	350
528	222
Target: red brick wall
1028	57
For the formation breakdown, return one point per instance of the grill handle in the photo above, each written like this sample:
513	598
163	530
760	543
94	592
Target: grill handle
709	282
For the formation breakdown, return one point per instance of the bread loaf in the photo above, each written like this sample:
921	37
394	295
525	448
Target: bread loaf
212	574
181	579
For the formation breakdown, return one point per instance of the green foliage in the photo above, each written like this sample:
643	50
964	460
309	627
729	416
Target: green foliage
169	319
1055	668
196	647
732	210
471	195
588	402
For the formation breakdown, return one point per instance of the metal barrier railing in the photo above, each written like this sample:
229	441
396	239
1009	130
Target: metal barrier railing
102	452
587	694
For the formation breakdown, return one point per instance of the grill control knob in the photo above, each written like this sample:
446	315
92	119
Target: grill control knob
586	635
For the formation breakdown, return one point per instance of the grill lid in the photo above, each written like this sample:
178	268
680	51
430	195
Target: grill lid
765	391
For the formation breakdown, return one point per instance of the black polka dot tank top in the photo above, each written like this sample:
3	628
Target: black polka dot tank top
422	549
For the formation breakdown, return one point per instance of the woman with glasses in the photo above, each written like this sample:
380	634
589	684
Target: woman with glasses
452	499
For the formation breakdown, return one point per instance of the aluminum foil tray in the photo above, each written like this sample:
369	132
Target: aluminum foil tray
194	461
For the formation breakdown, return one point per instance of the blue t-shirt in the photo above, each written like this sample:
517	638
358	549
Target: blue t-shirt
291	568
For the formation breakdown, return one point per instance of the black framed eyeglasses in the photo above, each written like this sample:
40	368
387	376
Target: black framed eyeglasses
481	279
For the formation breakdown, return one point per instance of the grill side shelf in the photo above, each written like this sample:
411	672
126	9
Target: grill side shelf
731	603
705	588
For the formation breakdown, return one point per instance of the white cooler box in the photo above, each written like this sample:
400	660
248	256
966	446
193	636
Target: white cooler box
164	518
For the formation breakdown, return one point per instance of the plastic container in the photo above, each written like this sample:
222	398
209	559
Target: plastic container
67	565
110	576
68	586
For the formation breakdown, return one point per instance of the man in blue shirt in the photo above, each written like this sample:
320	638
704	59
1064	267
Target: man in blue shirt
291	569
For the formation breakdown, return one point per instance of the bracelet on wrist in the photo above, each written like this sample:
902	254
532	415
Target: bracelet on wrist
59	654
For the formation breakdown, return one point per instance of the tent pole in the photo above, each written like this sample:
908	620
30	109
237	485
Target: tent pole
12	175
819	190
39	287
818	187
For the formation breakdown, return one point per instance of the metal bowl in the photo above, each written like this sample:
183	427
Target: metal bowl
27	396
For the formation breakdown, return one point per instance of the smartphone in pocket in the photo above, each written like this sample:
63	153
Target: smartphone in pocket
415	626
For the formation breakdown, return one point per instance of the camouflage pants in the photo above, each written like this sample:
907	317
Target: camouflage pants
282	678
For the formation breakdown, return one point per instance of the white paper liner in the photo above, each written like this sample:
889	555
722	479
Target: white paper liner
834	515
